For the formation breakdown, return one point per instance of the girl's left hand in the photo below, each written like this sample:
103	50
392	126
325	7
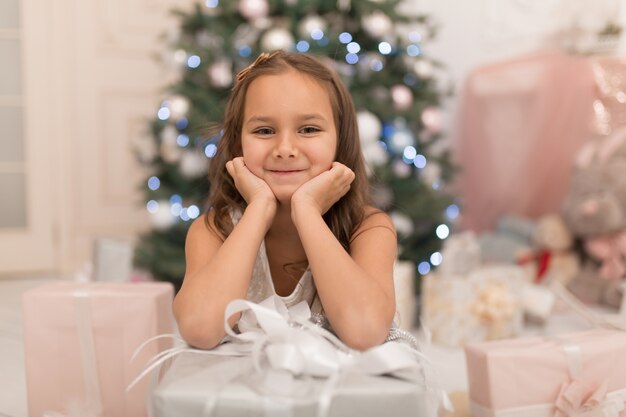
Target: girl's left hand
321	192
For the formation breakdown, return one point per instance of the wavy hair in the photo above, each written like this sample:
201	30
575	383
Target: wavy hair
344	217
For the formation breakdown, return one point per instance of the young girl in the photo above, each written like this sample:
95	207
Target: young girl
289	213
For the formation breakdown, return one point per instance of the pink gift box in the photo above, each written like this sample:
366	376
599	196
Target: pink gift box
79	340
584	373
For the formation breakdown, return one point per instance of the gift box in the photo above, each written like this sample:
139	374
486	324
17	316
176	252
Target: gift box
79	340
577	374
485	304
202	386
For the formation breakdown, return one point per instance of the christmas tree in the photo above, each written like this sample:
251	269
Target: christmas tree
378	52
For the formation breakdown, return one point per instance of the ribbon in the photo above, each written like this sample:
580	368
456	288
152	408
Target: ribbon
91	406
284	344
611	251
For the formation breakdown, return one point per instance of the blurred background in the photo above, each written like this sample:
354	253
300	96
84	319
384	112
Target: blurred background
100	102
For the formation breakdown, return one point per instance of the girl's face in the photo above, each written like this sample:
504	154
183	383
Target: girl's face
288	134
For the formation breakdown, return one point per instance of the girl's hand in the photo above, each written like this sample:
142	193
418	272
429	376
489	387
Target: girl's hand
251	187
321	192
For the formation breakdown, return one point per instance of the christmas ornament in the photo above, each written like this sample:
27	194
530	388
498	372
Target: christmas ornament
400	139
276	38
169	150
253	9
374	154
432	119
309	24
370	126
193	164
423	68
179	105
431	174
220	73
401	169
209	40
377	24
245	35
401	96
162	218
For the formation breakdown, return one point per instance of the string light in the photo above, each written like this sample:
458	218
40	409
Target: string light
152	206
317	34
193	211
353	47
384	48
376	65
409	153
182	140
423	268
436	258
176	199
352	59
210	150
154	183
182	123
442	231
302	46
163	113
413	50
345	37
193	61
420	161
212	4
452	211
245	51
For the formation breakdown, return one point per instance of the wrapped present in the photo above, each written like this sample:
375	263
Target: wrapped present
579	374
483	305
460	254
279	362
79	339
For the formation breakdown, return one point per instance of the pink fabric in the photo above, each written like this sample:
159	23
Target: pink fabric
123	315
534	371
520	125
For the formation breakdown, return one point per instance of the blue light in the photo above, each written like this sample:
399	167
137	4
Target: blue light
420	161
210	150
176	199
245	51
212	4
409	79
184	215
163	113
193	211
423	268
345	37
388	130
175	209
436	258
415	37
413	50
352	58
452	211
353	48
182	140
302	46
317	34
193	61
409	153
384	48
442	231
152	206
182	123
376	65
154	183
323	41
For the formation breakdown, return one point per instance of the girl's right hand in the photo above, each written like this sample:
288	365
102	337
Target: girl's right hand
251	187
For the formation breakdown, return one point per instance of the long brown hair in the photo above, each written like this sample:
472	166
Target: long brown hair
345	215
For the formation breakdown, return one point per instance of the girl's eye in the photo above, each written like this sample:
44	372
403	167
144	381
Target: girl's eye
310	130
264	131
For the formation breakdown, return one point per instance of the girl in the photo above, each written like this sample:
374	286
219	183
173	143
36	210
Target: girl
288	210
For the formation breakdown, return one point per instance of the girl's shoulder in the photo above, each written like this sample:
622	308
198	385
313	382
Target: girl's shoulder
374	218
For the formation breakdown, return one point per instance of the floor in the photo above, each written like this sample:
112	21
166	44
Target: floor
12	375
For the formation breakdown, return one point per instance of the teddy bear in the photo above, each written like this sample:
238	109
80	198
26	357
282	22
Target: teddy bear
595	211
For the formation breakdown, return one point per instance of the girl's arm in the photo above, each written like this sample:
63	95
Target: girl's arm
219	271
356	289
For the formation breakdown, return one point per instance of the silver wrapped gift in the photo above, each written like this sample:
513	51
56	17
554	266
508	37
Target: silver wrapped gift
202	386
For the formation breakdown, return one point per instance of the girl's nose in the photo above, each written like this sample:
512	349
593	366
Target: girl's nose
286	147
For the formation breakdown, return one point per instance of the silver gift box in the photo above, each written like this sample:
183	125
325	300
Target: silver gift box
196	385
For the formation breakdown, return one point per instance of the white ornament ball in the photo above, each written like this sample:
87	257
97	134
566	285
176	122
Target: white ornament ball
193	164
253	9
374	154
370	126
423	68
377	24
169	149
276	38
179	106
309	24
431	173
400	139
401	96
401	169
432	117
221	74
402	223
163	217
